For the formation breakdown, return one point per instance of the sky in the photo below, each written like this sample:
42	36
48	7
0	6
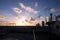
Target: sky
27	12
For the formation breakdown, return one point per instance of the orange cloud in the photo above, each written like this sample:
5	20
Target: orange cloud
2	17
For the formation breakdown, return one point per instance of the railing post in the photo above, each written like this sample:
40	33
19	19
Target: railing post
34	35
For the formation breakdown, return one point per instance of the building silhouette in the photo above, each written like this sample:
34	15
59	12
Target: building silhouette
43	24
58	18
37	24
50	18
54	26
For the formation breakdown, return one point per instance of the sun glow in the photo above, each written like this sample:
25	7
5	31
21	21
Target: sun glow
20	23
23	23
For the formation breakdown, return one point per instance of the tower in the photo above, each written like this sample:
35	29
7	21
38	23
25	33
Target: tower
43	24
50	18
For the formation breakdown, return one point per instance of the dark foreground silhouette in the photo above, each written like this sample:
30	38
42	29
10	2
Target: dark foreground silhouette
26	33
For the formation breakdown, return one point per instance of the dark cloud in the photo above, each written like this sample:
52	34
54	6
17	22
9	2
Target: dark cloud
39	16
32	19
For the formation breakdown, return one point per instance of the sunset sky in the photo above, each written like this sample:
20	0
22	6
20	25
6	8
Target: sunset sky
27	12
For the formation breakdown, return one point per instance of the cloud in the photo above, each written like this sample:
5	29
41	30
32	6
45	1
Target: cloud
22	5
36	4
32	19
42	17
2	17
17	10
28	9
22	19
29	22
35	21
47	8
53	10
17	18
